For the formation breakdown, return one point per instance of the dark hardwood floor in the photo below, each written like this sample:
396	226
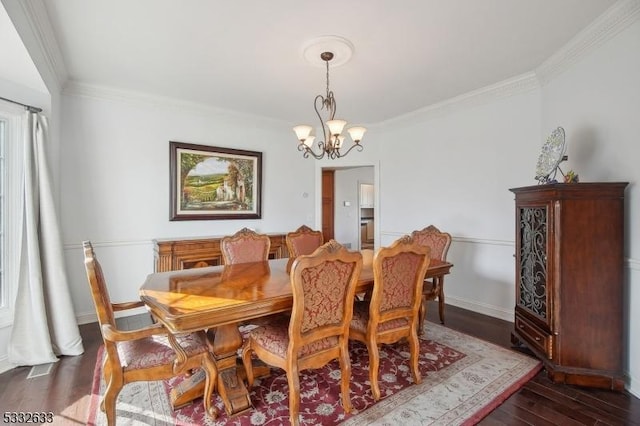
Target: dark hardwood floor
66	389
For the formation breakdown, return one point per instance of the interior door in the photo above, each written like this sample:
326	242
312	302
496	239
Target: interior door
328	183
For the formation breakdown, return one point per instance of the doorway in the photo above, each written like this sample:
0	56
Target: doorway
344	214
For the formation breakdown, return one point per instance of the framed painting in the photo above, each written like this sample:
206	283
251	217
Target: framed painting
209	183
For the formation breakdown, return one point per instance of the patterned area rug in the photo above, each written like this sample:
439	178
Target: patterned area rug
464	378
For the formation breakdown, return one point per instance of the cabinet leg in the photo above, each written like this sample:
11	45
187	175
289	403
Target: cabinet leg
515	341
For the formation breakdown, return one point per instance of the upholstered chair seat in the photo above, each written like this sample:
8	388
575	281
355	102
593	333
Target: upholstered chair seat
274	338
361	320
155	351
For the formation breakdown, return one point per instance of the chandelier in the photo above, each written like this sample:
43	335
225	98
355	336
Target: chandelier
332	144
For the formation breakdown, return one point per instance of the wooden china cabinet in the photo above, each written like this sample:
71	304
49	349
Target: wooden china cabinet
569	277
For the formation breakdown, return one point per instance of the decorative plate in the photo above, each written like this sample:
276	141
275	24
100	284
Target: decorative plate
551	155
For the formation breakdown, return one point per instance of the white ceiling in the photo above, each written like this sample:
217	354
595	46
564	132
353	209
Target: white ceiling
247	55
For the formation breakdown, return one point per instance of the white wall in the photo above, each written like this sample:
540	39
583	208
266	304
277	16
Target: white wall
597	102
454	171
115	180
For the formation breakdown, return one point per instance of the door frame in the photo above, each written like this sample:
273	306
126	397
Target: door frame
319	165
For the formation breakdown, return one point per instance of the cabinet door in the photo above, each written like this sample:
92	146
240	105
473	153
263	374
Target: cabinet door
532	268
366	195
370	230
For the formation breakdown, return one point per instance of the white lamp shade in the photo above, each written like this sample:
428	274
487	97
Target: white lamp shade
356	133
309	141
336	126
339	141
302	131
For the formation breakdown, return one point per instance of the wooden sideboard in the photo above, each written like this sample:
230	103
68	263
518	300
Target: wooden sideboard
569	280
176	254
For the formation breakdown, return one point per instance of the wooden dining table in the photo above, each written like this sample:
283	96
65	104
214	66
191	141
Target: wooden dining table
221	298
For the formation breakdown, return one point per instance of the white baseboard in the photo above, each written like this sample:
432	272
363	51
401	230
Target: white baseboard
482	308
86	318
632	386
89	317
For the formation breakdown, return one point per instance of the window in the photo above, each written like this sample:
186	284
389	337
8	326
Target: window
11	118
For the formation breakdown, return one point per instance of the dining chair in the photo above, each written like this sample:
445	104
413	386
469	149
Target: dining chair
145	354
393	311
323	285
303	240
433	289
245	246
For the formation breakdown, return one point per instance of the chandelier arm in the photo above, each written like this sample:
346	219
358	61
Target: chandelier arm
322	124
306	151
358	147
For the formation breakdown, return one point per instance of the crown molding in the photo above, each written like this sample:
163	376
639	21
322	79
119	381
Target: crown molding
75	88
520	84
618	17
32	22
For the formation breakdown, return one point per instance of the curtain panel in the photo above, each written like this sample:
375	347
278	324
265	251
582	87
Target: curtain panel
44	324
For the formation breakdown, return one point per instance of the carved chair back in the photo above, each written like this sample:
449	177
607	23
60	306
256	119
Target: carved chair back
436	240
245	246
303	240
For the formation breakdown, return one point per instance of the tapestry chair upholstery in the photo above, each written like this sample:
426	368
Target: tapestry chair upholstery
433	289
245	246
303	240
323	285
393	311
145	354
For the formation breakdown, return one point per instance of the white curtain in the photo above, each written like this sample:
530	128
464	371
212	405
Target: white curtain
44	322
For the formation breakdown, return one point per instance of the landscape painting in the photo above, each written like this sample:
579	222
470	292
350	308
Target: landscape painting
210	183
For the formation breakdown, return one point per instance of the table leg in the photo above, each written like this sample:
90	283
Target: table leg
232	390
441	298
189	389
231	375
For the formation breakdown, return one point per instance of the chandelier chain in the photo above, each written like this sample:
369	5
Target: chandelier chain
327	63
